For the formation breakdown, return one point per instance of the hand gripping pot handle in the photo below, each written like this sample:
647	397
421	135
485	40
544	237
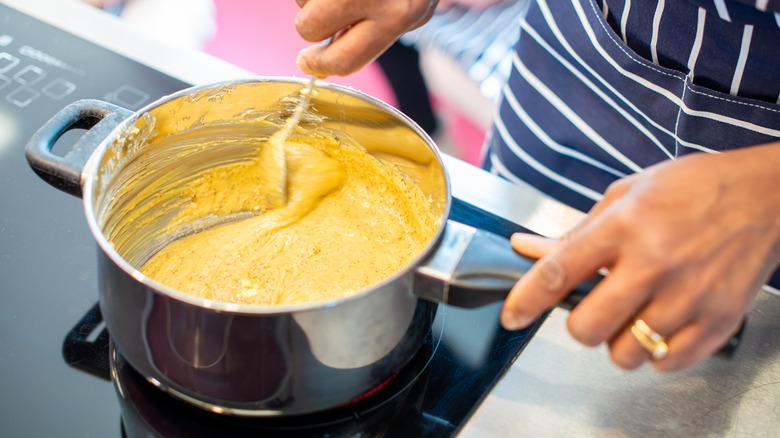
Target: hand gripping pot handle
473	267
64	172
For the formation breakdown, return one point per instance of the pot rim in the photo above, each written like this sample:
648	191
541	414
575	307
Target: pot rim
88	186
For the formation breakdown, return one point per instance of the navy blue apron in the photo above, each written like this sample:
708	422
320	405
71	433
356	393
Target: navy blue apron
595	94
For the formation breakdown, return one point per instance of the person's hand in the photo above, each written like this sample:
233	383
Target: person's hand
687	244
365	30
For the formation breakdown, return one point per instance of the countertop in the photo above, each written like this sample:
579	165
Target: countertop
556	387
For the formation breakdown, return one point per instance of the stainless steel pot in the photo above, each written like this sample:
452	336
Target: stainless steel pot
256	360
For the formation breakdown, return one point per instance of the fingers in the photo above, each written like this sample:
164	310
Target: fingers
688	344
550	279
531	245
563	264
320	19
671	305
608	308
626	349
366	29
697	341
351	51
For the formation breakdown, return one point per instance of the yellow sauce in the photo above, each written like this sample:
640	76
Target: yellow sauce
351	221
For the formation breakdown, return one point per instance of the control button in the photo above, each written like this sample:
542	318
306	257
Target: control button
30	75
7	62
22	96
58	88
4	81
6	40
127	96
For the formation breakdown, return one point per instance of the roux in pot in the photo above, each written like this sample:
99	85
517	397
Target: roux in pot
352	220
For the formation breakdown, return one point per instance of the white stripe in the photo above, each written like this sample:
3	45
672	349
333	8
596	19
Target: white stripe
537	130
723	11
666	93
761	5
677	125
747	36
539	167
457	33
592	87
559	36
604	9
659	12
452	22
697	147
769	289
777	18
478	41
697	42
624	19
567	112
498	168
686	144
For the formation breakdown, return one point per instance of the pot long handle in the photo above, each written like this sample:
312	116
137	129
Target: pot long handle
64	172
491	266
473	267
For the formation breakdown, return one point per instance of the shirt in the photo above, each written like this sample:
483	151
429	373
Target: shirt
479	40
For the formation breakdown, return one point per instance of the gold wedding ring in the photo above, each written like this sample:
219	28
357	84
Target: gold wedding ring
649	339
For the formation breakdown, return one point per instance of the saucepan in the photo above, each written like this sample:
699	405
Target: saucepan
249	359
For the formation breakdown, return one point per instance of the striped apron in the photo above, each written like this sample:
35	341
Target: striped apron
600	89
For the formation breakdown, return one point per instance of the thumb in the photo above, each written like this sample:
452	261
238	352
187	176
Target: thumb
532	245
309	60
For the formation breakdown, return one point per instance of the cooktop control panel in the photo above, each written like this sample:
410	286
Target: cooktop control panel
43	69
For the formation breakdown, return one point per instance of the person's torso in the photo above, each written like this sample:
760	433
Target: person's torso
601	90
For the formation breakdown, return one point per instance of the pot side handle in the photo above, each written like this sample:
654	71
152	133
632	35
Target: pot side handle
473	268
64	172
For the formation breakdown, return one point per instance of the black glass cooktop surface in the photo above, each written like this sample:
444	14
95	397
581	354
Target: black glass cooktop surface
54	354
